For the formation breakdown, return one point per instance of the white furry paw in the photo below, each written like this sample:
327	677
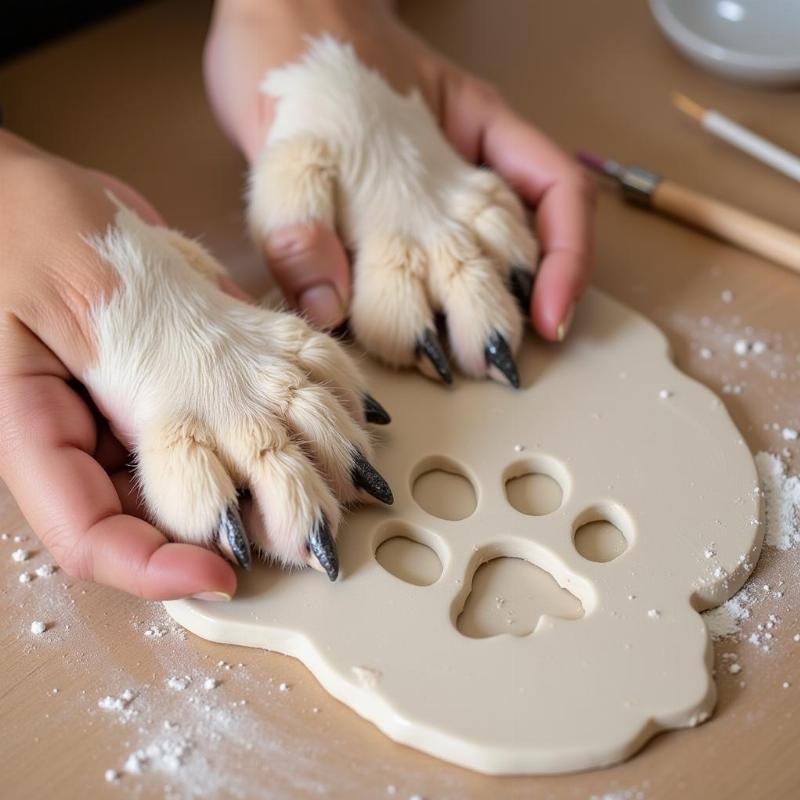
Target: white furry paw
218	398
430	234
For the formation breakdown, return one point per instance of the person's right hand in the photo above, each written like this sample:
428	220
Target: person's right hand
363	177
65	469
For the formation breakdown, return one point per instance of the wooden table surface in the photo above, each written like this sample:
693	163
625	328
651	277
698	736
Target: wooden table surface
127	97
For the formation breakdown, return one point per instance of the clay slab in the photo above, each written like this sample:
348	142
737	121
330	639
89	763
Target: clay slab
559	661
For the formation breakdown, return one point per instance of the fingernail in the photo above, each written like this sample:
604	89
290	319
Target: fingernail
499	360
564	326
322	306
212	597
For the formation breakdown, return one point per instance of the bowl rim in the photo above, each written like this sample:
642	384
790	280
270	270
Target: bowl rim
681	34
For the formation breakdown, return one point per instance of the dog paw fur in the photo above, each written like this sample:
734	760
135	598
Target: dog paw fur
430	234
247	426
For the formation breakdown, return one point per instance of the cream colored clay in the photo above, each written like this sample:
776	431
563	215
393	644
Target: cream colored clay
619	652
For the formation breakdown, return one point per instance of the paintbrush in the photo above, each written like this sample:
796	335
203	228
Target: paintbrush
739	136
731	224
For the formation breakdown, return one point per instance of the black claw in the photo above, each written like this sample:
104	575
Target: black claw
232	538
366	477
521	284
374	411
498	354
322	545
341	332
428	344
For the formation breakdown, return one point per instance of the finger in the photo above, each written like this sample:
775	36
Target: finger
310	265
564	227
229	286
46	434
546	178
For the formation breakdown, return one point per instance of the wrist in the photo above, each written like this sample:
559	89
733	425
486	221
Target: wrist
248	38
308	14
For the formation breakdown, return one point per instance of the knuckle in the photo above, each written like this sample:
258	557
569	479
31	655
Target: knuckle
487	94
295	242
68	555
584	186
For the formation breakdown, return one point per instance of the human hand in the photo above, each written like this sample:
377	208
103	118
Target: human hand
64	466
308	260
132	314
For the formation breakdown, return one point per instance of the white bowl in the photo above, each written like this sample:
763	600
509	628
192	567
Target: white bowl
752	40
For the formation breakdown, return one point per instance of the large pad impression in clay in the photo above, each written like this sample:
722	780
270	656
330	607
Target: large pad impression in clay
533	604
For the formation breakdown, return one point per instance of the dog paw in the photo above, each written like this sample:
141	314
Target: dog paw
430	234
223	402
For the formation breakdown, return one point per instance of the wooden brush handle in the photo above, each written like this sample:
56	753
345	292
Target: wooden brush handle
731	224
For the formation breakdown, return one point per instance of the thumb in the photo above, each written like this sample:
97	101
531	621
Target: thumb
310	265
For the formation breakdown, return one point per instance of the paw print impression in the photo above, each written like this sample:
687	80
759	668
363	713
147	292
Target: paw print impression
507	595
529	604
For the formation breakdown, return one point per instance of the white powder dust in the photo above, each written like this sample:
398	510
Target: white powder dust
634	793
25	577
120	704
46	570
38	627
724	621
20	555
782	499
782	516
367	676
179	683
166	755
